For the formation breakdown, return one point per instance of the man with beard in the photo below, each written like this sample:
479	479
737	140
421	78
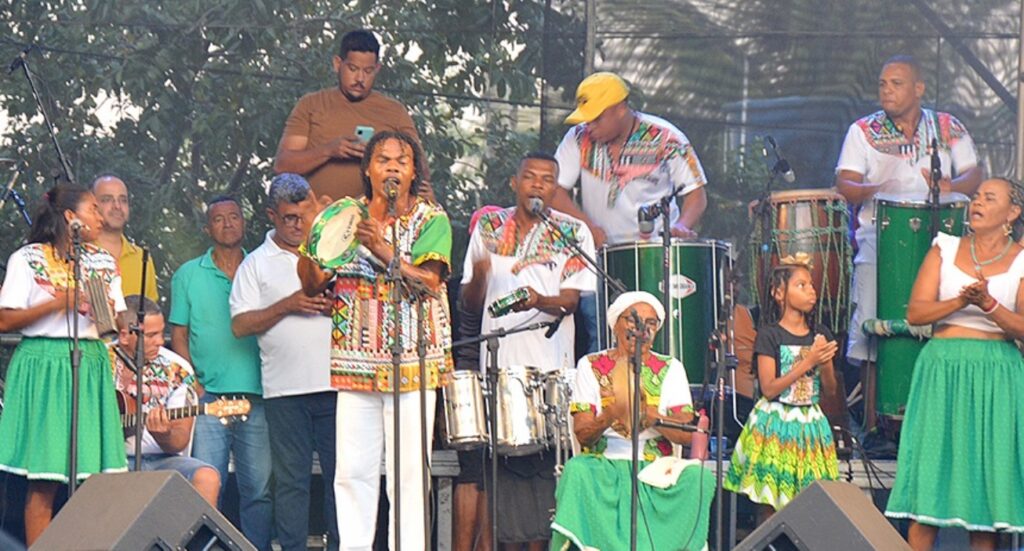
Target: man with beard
225	365
320	139
294	335
112	197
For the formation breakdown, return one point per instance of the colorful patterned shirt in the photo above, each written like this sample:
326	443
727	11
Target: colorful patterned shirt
655	157
167	381
539	259
663	384
35	274
362	319
876	149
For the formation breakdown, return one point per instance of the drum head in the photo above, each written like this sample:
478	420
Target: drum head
332	238
795	195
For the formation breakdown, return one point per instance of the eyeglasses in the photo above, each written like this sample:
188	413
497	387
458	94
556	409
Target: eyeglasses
290	219
651	324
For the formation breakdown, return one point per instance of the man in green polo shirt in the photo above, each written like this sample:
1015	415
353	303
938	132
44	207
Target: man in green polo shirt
201	333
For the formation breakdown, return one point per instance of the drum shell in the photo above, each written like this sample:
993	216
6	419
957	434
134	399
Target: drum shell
521	420
557	393
814	222
698	268
904	237
465	420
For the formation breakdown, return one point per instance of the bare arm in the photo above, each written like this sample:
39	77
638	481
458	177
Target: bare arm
314	279
295	155
15	319
691	208
565	301
172	436
675	436
1008	320
853	188
179	341
968	181
924	306
589	427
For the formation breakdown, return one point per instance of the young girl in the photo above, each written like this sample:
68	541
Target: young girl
787	442
36	301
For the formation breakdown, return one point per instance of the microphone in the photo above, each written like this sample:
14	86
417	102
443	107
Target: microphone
781	166
537	206
555	324
679	426
10	184
391	187
20	59
646	215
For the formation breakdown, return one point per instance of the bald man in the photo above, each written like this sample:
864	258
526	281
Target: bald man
112	197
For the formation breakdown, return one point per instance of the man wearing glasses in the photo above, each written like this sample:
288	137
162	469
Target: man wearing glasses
325	135
294	334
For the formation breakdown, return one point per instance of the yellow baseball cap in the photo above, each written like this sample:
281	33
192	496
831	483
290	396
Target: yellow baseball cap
596	93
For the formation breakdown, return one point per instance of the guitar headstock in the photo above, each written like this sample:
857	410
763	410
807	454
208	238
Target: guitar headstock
227	408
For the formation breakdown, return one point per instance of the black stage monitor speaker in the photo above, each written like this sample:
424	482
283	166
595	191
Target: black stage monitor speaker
836	516
140	512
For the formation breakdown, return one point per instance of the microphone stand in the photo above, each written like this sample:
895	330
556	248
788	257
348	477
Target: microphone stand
76	359
394	279
576	248
639	335
420	294
933	190
663	208
22	61
140	362
492	339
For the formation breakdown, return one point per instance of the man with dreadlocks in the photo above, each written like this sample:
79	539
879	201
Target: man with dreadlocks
961	462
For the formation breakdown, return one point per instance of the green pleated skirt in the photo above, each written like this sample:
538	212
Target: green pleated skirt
592	509
35	428
782	450
961	456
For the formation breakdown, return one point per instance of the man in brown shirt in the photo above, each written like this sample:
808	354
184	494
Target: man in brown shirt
319	139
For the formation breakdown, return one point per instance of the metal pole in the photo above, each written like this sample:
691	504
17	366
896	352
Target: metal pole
1020	96
588	45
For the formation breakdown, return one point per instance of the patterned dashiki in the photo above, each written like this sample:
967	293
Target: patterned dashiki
53	274
361	316
663	384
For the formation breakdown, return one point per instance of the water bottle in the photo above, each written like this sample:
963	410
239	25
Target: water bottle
699	440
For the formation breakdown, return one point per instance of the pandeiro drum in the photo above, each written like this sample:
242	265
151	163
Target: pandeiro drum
332	237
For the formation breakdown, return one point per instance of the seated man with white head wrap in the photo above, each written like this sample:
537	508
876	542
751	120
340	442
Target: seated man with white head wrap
594	494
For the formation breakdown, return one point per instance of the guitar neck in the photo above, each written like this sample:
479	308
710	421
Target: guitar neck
128	421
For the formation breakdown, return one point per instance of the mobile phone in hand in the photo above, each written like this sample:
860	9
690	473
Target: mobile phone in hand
364	133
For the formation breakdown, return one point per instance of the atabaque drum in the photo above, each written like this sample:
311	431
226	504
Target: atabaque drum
697	289
811	221
903	223
332	237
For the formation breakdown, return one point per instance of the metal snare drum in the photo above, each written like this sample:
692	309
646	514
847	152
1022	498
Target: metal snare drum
465	422
903	223
521	423
556	408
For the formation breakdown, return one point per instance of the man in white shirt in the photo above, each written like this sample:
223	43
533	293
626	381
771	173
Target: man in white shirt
624	160
889	151
294	336
169	383
512	249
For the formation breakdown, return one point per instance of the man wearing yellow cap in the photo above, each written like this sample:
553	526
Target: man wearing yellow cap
624	160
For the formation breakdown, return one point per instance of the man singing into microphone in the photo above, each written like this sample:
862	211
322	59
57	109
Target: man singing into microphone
362	315
515	249
889	151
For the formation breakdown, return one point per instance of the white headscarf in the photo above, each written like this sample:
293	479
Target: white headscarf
626	300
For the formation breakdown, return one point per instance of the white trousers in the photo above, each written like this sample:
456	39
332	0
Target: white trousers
365	424
864	297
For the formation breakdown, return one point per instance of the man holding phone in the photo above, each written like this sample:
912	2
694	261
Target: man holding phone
325	134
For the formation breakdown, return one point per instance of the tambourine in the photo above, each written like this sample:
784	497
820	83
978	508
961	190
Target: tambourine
332	238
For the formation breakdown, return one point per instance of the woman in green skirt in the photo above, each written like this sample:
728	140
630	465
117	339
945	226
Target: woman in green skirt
594	495
35	300
961	458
